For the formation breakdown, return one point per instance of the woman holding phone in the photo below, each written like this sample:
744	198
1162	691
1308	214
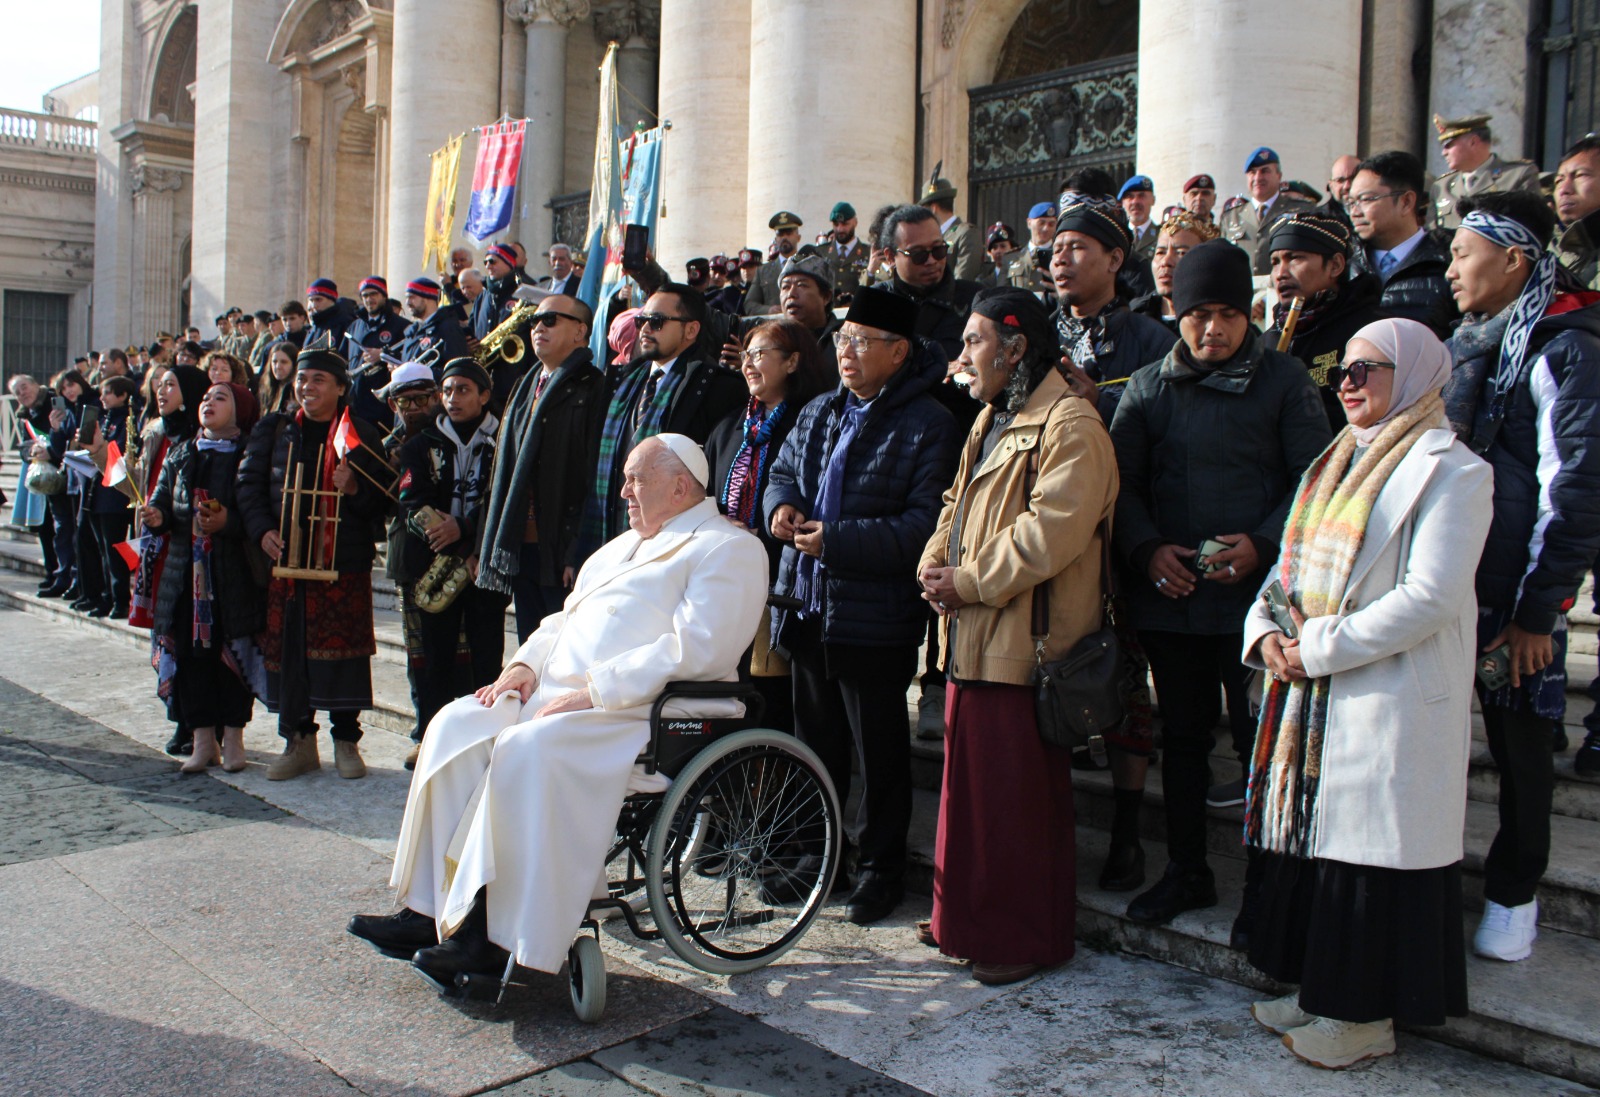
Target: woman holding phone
1366	627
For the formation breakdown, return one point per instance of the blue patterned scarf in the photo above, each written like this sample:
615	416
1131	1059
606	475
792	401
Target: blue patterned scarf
1529	307
809	579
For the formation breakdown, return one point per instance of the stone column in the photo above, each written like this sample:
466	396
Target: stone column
638	65
832	123
237	258
705	94
444	82
1391	100
155	253
1219	77
545	104
1480	63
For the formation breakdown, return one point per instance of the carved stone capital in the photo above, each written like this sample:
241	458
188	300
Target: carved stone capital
147	177
563	12
622	20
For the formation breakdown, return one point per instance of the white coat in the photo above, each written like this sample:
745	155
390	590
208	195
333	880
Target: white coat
529	806
1401	653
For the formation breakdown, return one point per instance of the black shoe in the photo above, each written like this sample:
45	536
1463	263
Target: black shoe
182	742
1226	795
467	951
54	590
875	897
1239	936
72	593
1587	759
1124	867
791	878
101	609
1558	739
399	935
1178	890
119	613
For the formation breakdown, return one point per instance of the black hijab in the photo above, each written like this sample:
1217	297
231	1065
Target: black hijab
185	422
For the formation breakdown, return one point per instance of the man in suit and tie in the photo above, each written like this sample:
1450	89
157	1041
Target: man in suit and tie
1137	198
846	253
563	274
1386	210
1247	221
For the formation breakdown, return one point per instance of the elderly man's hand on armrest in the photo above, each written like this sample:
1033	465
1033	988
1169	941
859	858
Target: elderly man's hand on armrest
517	678
575	701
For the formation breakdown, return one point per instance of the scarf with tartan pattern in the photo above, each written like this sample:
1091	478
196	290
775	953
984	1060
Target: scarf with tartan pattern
599	522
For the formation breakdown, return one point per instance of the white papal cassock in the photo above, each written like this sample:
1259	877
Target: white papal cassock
529	806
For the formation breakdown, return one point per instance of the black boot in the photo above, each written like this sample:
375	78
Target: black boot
1124	867
875	896
182	741
400	934
1179	889
468	950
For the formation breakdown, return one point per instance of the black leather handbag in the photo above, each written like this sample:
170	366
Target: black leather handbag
1078	697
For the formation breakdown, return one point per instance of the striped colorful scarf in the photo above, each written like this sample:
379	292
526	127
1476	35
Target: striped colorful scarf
741	492
200	588
600	508
1321	539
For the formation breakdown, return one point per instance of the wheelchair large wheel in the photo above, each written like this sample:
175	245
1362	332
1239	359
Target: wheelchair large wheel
743	851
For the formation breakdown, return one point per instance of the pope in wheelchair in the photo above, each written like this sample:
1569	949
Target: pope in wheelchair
518	788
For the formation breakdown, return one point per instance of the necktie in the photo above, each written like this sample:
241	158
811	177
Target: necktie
1386	264
538	385
646	396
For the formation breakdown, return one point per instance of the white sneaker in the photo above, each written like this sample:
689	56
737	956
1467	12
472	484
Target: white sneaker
1281	1014
1334	1045
1506	933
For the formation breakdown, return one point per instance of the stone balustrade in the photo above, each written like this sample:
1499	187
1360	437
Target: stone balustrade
47	133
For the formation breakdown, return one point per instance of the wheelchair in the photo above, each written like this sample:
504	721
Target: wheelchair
729	866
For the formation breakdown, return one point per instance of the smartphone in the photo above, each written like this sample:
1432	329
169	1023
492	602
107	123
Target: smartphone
1277	600
59	403
1494	667
635	247
91	416
1208	548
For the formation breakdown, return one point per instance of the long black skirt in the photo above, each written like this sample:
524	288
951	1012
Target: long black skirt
1364	944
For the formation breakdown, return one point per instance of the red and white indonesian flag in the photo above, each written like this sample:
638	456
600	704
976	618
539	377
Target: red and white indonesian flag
130	551
116	466
345	438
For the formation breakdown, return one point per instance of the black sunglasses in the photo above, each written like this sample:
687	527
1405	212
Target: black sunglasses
548	318
1356	369
920	256
655	321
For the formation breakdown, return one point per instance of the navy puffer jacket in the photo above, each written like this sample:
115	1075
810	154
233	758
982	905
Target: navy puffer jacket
1545	531
898	467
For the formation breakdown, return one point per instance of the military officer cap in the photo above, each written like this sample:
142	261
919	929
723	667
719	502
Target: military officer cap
1304	189
1001	232
1041	209
1313	231
701	264
749	257
1199	182
1135	183
1260	158
783	220
813	267
719	261
842	211
937	189
1449	130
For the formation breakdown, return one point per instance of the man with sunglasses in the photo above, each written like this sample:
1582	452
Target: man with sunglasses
672	387
966	261
1310	260
1386	209
435	333
545	468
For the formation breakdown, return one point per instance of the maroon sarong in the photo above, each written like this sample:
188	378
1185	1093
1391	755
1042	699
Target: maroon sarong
1004	878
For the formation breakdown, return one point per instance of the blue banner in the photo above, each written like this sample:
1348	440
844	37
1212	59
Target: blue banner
494	179
636	201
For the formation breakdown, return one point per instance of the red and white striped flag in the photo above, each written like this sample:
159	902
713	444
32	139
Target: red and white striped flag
130	551
116	466
345	437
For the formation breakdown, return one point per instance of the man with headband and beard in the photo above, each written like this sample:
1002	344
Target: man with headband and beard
1524	395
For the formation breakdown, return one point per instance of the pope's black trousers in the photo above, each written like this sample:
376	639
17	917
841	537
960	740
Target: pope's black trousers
852	702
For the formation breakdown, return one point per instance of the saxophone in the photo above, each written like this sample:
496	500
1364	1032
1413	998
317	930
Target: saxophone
508	341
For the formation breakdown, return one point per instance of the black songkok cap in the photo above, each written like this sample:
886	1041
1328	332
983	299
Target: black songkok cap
885	310
1318	233
1215	273
326	361
1101	219
1019	310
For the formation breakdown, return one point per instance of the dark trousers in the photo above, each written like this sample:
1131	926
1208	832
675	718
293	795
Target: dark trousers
91	572
854	700
209	694
46	532
534	600
344	726
111	530
1520	744
64	536
932	673
1191	675
481	614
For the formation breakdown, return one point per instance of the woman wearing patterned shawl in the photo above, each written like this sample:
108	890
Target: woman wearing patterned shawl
1357	791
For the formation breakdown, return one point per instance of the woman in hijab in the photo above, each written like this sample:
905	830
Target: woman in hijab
208	605
1357	791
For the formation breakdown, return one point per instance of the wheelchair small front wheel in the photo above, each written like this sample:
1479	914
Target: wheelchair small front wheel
743	851
586	974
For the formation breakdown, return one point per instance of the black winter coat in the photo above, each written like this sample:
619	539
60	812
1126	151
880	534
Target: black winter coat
328	327
1554	417
898	467
1208	453
428	478
362	515
238	604
442	332
1417	289
1320	345
382	333
1132	341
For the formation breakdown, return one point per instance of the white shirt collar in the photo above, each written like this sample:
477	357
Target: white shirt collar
944	228
1263	207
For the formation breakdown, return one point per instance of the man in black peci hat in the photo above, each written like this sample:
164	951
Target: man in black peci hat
1311	260
854	495
1211	441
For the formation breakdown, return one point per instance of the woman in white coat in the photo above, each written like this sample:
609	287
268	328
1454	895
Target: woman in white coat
1358	784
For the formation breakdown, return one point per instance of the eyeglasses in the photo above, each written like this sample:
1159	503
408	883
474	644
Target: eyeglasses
755	354
1356	370
1358	201
655	321
920	256
859	343
548	318
405	403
